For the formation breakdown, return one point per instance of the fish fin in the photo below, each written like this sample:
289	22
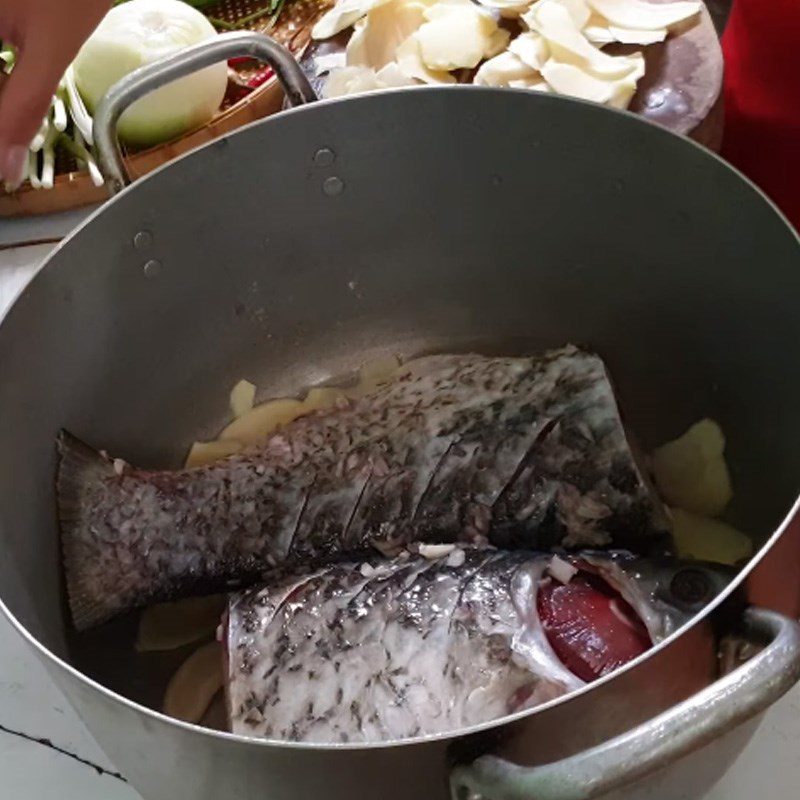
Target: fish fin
80	467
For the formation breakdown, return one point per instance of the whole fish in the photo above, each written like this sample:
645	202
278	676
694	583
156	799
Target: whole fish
517	451
388	650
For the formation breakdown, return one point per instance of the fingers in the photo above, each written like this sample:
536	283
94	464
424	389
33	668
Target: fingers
24	101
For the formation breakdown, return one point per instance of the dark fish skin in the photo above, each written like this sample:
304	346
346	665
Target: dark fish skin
520	451
389	650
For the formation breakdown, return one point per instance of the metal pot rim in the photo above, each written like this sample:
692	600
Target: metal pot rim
352	746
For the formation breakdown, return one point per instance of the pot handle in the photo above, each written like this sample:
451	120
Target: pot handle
730	701
152	76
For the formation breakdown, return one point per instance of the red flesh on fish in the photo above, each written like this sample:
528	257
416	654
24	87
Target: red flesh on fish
591	628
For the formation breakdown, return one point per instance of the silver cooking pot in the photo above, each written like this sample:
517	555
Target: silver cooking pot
441	219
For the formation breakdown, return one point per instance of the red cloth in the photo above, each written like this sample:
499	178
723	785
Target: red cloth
762	97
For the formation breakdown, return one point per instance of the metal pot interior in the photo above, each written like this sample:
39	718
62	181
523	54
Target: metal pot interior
440	220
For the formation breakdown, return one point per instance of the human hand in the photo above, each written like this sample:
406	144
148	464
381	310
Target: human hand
47	35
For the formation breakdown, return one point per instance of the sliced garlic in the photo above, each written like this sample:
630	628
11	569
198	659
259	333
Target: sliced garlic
531	48
458	36
568	46
263	420
193	686
344	14
409	59
242	398
376	38
203	453
505	69
638	15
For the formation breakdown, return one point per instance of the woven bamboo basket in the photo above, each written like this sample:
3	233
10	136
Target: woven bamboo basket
292	27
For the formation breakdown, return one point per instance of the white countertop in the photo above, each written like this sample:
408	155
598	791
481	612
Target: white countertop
47	754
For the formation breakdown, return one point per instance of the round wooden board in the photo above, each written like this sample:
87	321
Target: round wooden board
682	85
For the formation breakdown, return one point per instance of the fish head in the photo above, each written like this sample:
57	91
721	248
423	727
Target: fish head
607	609
664	593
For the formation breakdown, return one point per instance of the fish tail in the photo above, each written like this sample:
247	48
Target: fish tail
80	469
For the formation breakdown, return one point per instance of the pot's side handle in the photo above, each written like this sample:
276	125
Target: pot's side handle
152	76
730	701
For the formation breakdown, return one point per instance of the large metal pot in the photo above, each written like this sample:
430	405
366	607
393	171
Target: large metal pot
442	218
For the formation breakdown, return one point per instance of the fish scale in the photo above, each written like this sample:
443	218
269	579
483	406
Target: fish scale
389	650
524	452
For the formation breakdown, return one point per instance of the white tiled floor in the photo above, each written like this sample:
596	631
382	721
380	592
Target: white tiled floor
31	706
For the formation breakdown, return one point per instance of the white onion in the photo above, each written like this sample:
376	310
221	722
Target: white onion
137	33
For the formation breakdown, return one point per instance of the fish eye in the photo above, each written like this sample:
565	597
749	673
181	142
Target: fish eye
690	586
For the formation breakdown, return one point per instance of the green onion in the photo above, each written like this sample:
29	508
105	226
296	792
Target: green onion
33	170
78	150
38	141
77	108
59	113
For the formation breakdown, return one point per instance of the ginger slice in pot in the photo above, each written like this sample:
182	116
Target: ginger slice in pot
691	472
242	397
322	397
203	453
168	626
374	374
263	420
194	685
709	539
